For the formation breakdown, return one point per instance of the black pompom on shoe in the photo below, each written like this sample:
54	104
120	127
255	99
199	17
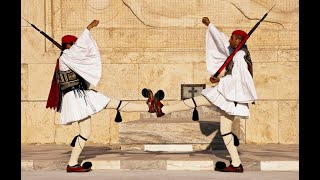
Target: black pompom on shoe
220	165
145	92
87	165
159	94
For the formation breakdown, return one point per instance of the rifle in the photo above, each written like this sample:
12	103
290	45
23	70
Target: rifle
45	35
239	46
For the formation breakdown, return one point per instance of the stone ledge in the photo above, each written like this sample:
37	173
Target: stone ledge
168	147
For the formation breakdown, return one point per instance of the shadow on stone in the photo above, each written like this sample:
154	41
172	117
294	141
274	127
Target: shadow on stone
209	127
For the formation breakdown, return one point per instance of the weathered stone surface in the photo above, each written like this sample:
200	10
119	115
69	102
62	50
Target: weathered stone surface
32	45
157	57
119	81
167	77
289	122
50	165
105	164
288	55
39	81
263	125
200	74
262	55
171	131
27	165
37	123
24	81
33	11
104	128
168	147
190	165
276	81
280	166
167	29
64	134
131	164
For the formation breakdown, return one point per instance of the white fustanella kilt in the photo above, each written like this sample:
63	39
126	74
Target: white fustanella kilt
216	98
77	106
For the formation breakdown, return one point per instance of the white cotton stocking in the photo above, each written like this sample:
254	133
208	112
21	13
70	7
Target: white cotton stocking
85	131
127	106
226	127
186	105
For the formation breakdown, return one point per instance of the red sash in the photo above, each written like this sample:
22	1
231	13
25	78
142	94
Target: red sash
53	98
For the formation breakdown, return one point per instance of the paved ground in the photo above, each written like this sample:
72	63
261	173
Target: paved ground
159	175
270	157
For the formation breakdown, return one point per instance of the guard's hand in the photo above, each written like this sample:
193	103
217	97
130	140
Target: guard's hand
214	79
205	21
94	23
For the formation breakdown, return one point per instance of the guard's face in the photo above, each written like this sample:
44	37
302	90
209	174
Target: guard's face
234	42
68	46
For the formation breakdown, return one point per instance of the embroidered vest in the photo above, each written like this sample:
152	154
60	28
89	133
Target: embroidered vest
247	58
69	80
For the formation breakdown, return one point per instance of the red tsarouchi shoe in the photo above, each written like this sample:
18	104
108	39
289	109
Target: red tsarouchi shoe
157	104
231	168
77	168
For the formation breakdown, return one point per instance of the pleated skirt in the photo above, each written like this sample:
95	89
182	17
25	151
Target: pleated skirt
215	97
77	105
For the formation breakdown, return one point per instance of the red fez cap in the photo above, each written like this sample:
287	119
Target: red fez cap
240	33
69	39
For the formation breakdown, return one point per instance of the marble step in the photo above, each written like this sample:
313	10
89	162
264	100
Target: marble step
175	129
168	147
202	134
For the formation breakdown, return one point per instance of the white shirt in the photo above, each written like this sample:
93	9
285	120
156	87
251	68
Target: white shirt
237	86
83	58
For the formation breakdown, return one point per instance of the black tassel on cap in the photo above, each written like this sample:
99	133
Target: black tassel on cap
118	116
195	115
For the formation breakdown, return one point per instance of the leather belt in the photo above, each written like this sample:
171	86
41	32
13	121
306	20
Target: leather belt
65	91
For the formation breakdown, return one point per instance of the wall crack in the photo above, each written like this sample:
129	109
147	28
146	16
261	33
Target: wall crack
253	18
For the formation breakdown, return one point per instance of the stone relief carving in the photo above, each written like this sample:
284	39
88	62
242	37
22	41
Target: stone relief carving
166	25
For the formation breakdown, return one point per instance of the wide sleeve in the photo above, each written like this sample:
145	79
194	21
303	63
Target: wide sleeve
84	58
217	49
238	86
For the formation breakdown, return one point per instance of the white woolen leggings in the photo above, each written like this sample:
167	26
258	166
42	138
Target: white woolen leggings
85	126
85	131
225	123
